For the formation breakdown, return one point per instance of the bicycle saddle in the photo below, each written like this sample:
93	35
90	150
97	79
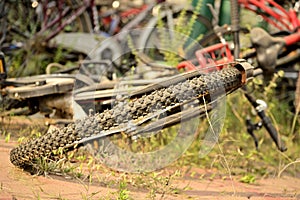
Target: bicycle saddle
267	49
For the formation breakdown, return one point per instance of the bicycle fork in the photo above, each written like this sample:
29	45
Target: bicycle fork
260	107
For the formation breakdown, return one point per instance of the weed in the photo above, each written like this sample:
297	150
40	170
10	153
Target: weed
5	123
237	147
249	178
177	40
123	191
45	165
7	138
90	196
288	165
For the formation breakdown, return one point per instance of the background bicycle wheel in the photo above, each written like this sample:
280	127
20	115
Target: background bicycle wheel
25	37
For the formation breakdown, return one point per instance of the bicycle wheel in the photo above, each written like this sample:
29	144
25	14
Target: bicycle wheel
71	16
160	34
125	113
26	42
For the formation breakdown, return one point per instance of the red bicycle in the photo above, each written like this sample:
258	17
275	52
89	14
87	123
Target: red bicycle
272	53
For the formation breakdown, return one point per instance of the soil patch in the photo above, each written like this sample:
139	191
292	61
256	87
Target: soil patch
18	184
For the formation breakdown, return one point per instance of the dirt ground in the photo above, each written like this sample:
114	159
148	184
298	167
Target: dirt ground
18	184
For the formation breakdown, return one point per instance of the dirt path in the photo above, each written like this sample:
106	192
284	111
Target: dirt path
17	184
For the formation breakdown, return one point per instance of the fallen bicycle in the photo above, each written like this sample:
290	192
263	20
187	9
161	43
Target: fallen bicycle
151	108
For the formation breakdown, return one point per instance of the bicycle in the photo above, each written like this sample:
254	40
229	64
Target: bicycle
270	53
107	52
216	25
42	21
141	114
35	23
53	18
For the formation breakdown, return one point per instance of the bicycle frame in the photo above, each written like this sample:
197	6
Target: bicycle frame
279	17
225	54
276	15
59	19
62	20
207	61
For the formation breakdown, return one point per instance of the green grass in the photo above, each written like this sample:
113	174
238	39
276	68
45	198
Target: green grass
233	155
236	147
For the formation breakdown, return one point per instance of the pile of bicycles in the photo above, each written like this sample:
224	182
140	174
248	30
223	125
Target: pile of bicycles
211	55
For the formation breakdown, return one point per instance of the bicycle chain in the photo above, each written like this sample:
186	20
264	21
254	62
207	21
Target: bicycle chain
25	154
